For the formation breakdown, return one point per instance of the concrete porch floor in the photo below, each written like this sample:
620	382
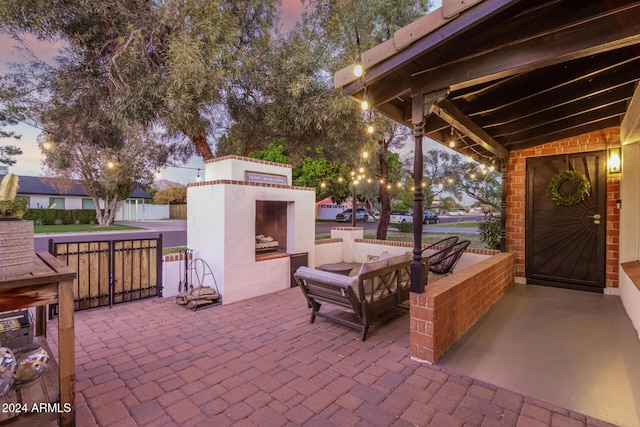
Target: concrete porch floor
575	349
259	362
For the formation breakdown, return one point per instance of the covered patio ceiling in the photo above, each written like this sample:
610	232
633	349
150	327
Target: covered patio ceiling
508	74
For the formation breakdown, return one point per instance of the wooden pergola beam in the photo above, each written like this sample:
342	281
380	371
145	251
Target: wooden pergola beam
456	118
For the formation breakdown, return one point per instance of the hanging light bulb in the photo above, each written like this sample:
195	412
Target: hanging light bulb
365	104
389	187
322	184
110	164
198	177
47	145
452	140
469	159
399	185
370	129
358	70
365	155
381	180
339	179
361	170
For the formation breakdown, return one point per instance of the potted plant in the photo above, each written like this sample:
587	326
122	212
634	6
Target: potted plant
16	235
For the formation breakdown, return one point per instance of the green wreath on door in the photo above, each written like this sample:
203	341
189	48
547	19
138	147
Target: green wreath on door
583	188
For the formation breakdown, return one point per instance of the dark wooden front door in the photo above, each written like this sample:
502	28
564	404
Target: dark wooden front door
565	246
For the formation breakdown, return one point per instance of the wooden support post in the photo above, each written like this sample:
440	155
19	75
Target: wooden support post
418	269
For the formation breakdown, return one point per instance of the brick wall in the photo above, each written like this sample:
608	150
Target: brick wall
516	187
450	306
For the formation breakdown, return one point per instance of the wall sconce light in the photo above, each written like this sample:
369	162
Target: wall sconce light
614	162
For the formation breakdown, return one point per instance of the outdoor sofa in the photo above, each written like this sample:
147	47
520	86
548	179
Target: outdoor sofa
379	286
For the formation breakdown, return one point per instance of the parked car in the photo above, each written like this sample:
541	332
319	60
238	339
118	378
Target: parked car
455	212
398	217
361	215
430	218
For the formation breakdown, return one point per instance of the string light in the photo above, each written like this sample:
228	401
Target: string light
358	70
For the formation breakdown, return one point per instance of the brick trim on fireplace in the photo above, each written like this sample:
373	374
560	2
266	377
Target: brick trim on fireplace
251	184
516	188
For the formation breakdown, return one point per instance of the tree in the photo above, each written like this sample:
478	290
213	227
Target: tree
7	154
171	196
448	173
106	175
164	64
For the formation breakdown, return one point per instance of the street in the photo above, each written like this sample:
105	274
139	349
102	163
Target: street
174	232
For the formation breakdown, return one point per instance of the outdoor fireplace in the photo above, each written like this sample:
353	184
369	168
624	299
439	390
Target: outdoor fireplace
246	221
271	228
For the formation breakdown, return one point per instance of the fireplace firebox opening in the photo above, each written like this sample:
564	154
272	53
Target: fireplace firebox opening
271	228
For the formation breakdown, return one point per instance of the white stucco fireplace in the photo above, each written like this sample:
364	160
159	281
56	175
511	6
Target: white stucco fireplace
245	221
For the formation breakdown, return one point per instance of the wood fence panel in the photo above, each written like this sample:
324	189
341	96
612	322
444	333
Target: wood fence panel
178	211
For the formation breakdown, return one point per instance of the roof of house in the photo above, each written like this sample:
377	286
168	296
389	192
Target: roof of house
43	186
501	75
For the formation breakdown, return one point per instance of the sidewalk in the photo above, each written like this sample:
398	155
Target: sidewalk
260	363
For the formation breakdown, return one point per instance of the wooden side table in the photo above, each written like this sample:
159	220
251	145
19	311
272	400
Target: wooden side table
50	283
339	267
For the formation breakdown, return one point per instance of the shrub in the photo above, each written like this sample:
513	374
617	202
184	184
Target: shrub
489	228
60	216
405	227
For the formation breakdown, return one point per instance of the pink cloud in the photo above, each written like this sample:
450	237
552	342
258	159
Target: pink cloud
291	11
12	51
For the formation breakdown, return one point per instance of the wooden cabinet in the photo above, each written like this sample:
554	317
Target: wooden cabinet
50	283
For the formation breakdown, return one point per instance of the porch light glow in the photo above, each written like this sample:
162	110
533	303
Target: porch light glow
614	162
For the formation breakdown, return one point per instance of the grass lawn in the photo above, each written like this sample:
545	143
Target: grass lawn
427	238
173	250
461	224
79	228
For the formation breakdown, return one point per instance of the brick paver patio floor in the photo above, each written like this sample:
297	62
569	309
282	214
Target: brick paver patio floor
259	362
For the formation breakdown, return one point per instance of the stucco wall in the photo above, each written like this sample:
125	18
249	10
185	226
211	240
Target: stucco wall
221	230
516	199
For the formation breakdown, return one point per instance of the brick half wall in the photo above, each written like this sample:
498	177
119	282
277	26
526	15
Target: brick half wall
452	305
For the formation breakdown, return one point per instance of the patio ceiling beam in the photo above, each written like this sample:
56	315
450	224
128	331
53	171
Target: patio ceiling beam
589	37
456	118
630	128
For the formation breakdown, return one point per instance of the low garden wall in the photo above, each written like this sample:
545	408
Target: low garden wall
451	305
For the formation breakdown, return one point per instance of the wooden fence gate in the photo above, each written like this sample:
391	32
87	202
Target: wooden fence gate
112	271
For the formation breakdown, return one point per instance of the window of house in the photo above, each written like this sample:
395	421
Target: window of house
88	204
56	202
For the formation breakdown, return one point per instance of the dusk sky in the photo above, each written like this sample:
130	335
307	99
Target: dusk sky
29	163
